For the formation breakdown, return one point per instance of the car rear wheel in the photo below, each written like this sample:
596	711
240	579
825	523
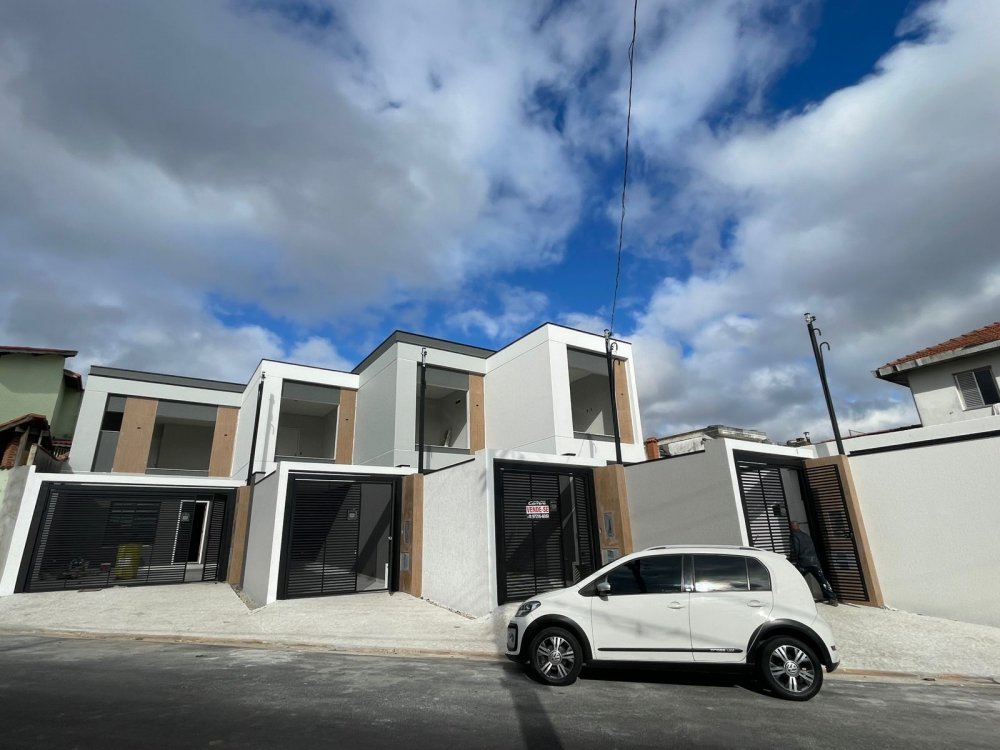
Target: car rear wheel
556	657
790	668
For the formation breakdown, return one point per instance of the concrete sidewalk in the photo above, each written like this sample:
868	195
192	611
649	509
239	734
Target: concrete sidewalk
870	640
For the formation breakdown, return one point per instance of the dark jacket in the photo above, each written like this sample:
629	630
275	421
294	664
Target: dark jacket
803	550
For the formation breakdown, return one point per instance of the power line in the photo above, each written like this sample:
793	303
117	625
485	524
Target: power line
628	132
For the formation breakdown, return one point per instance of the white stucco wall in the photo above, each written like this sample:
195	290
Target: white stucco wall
689	499
459	558
244	425
16	508
936	394
932	515
375	423
260	572
519	396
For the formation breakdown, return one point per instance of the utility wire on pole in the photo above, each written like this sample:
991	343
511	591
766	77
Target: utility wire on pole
609	344
814	334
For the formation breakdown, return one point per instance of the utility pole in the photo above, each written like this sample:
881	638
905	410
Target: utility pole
609	348
256	424
814	334
421	405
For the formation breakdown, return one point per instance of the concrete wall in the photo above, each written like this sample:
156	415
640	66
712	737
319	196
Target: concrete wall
459	557
374	437
29	385
932	515
688	499
264	540
244	425
936	394
11	511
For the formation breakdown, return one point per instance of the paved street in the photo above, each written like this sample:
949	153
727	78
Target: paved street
100	693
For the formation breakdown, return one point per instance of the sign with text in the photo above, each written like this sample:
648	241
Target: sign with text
537	509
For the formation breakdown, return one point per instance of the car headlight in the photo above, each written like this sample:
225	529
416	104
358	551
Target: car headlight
527	608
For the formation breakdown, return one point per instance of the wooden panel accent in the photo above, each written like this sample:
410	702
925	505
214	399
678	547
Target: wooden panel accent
346	413
623	402
857	525
412	538
221	462
132	453
612	497
241	532
477	412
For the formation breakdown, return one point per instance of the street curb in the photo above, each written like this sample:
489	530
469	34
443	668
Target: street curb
844	673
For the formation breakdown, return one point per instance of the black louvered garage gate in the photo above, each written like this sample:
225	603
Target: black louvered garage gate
546	535
94	536
764	483
338	535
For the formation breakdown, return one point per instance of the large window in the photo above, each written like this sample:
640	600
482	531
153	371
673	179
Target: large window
978	388
107	439
307	422
446	409
590	393
182	438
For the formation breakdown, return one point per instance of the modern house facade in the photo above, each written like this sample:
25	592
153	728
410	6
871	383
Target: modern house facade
305	481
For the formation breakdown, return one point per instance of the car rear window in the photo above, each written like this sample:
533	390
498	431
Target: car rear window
720	573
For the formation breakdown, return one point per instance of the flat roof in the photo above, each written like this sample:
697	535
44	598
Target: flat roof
405	337
32	350
156	377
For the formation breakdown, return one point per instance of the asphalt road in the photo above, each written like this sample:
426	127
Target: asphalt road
70	693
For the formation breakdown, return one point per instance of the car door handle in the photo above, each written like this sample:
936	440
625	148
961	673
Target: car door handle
755	603
675	605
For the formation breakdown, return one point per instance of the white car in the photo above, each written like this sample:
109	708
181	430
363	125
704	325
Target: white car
681	605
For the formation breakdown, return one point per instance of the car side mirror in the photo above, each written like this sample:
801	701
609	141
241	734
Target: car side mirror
603	589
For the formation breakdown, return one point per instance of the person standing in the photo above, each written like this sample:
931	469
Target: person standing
804	558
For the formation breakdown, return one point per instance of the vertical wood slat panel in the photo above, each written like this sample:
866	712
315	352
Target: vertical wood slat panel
346	413
623	402
132	454
221	461
477	413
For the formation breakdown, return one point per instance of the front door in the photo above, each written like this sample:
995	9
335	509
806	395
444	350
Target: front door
545	529
645	616
338	536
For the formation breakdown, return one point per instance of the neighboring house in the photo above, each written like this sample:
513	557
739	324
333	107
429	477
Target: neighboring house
953	381
515	446
907	518
694	440
39	402
35	381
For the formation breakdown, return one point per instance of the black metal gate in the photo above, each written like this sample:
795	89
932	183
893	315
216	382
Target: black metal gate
546	537
831	523
94	536
338	536
765	509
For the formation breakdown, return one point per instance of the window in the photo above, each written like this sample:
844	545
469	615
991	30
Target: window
760	579
978	388
721	573
182	438
589	393
446	408
107	439
647	575
307	421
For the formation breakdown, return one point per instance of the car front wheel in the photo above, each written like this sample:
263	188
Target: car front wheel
790	668
556	657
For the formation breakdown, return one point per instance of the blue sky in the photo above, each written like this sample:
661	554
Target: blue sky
187	187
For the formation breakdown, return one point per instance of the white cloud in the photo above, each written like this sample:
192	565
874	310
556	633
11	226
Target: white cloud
520	309
874	210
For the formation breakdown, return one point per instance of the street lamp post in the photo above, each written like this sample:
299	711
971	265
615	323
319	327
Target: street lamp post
817	346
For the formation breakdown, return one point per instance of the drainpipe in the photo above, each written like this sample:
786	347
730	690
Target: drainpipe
423	399
818	354
256	424
609	347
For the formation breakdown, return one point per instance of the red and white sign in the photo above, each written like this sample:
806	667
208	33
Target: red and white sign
537	509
